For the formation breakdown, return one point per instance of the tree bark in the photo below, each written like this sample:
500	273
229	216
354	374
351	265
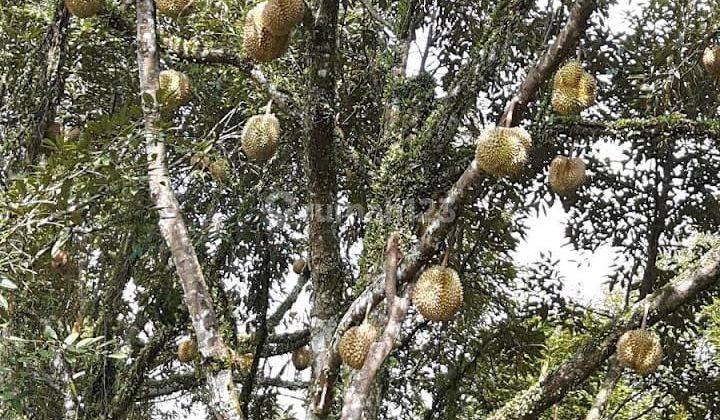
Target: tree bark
326	273
357	394
593	352
51	80
606	389
214	354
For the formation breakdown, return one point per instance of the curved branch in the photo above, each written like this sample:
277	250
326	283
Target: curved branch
593	352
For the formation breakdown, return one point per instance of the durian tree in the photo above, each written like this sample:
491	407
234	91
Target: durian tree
289	209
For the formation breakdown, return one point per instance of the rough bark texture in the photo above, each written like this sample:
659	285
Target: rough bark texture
358	392
326	274
591	354
214	353
51	80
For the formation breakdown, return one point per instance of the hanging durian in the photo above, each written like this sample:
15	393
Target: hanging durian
280	16
566	174
355	344
84	8
502	151
174	90
187	350
438	293
174	8
260	137
640	350
302	358
243	362
574	89
711	59
60	261
298	266
259	43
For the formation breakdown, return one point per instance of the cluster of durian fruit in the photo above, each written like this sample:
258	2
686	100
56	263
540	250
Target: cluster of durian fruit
503	151
268	27
187	352
438	296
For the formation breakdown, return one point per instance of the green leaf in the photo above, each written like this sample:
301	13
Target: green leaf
87	341
50	333
71	338
5	283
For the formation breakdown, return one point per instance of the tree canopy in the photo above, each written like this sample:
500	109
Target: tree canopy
215	249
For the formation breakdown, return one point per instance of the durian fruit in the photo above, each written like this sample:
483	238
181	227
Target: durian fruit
259	43
280	16
60	261
355	344
73	134
502	151
711	60
566	174
84	8
54	130
438	293
640	350
574	89
174	8
302	358
243	362
260	137
298	266
174	89
187	350
219	169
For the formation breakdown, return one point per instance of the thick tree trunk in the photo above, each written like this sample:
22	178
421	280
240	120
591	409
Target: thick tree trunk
532	402
214	353
51	81
326	273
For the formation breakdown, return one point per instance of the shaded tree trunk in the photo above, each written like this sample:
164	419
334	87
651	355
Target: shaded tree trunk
326	273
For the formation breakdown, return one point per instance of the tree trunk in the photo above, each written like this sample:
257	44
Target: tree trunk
215	355
326	273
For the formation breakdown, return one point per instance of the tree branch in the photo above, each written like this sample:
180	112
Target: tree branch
214	353
277	316
593	352
357	392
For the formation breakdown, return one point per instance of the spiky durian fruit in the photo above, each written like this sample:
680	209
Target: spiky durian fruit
54	131
259	43
84	8
260	137
640	350
566	174
243	362
438	293
711	60
574	89
298	265
302	358
174	89
187	350
280	16
355	344
174	8
502	151
60	260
